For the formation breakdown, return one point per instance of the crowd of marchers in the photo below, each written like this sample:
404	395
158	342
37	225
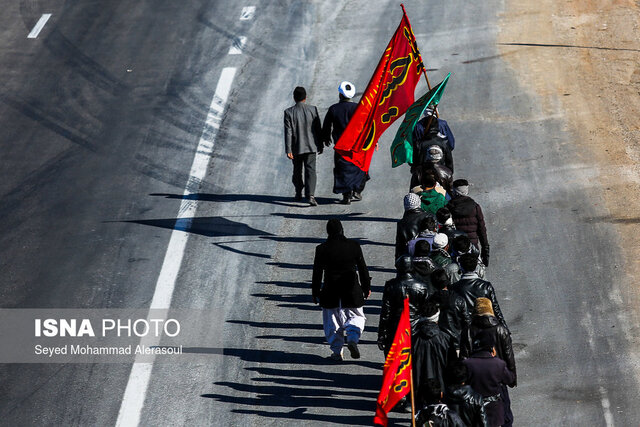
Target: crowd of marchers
462	355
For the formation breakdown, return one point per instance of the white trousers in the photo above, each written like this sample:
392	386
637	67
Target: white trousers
338	321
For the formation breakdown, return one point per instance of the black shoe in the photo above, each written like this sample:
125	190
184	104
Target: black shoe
353	348
357	196
346	199
298	197
312	201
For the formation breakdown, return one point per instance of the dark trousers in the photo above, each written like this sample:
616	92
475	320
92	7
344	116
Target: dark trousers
308	162
506	401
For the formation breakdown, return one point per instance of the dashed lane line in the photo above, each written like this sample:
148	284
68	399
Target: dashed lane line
39	26
135	393
247	13
238	46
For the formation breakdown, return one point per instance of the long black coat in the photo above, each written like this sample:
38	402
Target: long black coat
340	260
487	374
408	228
337	119
432	350
500	334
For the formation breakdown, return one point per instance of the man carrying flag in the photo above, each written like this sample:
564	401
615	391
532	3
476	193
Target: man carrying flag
387	96
428	154
397	379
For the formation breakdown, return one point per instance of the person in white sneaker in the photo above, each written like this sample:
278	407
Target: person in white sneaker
340	284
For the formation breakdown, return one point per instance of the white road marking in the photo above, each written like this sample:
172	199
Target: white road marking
587	322
135	393
238	46
247	13
606	406
39	26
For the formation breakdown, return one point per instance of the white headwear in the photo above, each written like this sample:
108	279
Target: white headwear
347	89
440	240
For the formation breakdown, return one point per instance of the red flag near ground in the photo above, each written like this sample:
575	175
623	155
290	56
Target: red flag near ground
396	376
387	96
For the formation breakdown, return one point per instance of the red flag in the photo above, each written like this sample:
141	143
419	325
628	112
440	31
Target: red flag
387	96
396	376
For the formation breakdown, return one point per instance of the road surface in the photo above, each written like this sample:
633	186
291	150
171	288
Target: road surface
102	115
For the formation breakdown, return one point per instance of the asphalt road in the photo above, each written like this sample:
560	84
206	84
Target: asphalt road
100	119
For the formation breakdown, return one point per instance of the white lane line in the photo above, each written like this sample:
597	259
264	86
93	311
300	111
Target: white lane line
135	393
39	26
238	45
247	13
606	407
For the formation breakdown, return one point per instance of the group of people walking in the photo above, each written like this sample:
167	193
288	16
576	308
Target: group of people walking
462	355
306	136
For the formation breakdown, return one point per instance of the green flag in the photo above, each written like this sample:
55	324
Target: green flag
402	146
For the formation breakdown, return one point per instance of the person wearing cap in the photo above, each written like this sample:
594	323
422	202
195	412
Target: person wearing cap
484	320
408	227
340	284
348	179
302	141
467	216
487	375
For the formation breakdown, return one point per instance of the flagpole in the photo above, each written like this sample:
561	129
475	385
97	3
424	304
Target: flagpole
413	410
424	69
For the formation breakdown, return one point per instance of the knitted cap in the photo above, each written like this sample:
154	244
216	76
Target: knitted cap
411	201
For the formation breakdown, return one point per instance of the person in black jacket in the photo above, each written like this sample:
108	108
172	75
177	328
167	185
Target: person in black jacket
431	351
446	226
430	137
437	413
484	321
454	317
409	226
405	284
463	399
470	286
342	295
468	217
487	375
462	245
348	179
423	266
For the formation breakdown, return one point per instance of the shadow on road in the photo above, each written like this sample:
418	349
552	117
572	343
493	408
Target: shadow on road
259	198
212	226
305	391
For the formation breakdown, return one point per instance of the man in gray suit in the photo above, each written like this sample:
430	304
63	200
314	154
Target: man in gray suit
302	140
